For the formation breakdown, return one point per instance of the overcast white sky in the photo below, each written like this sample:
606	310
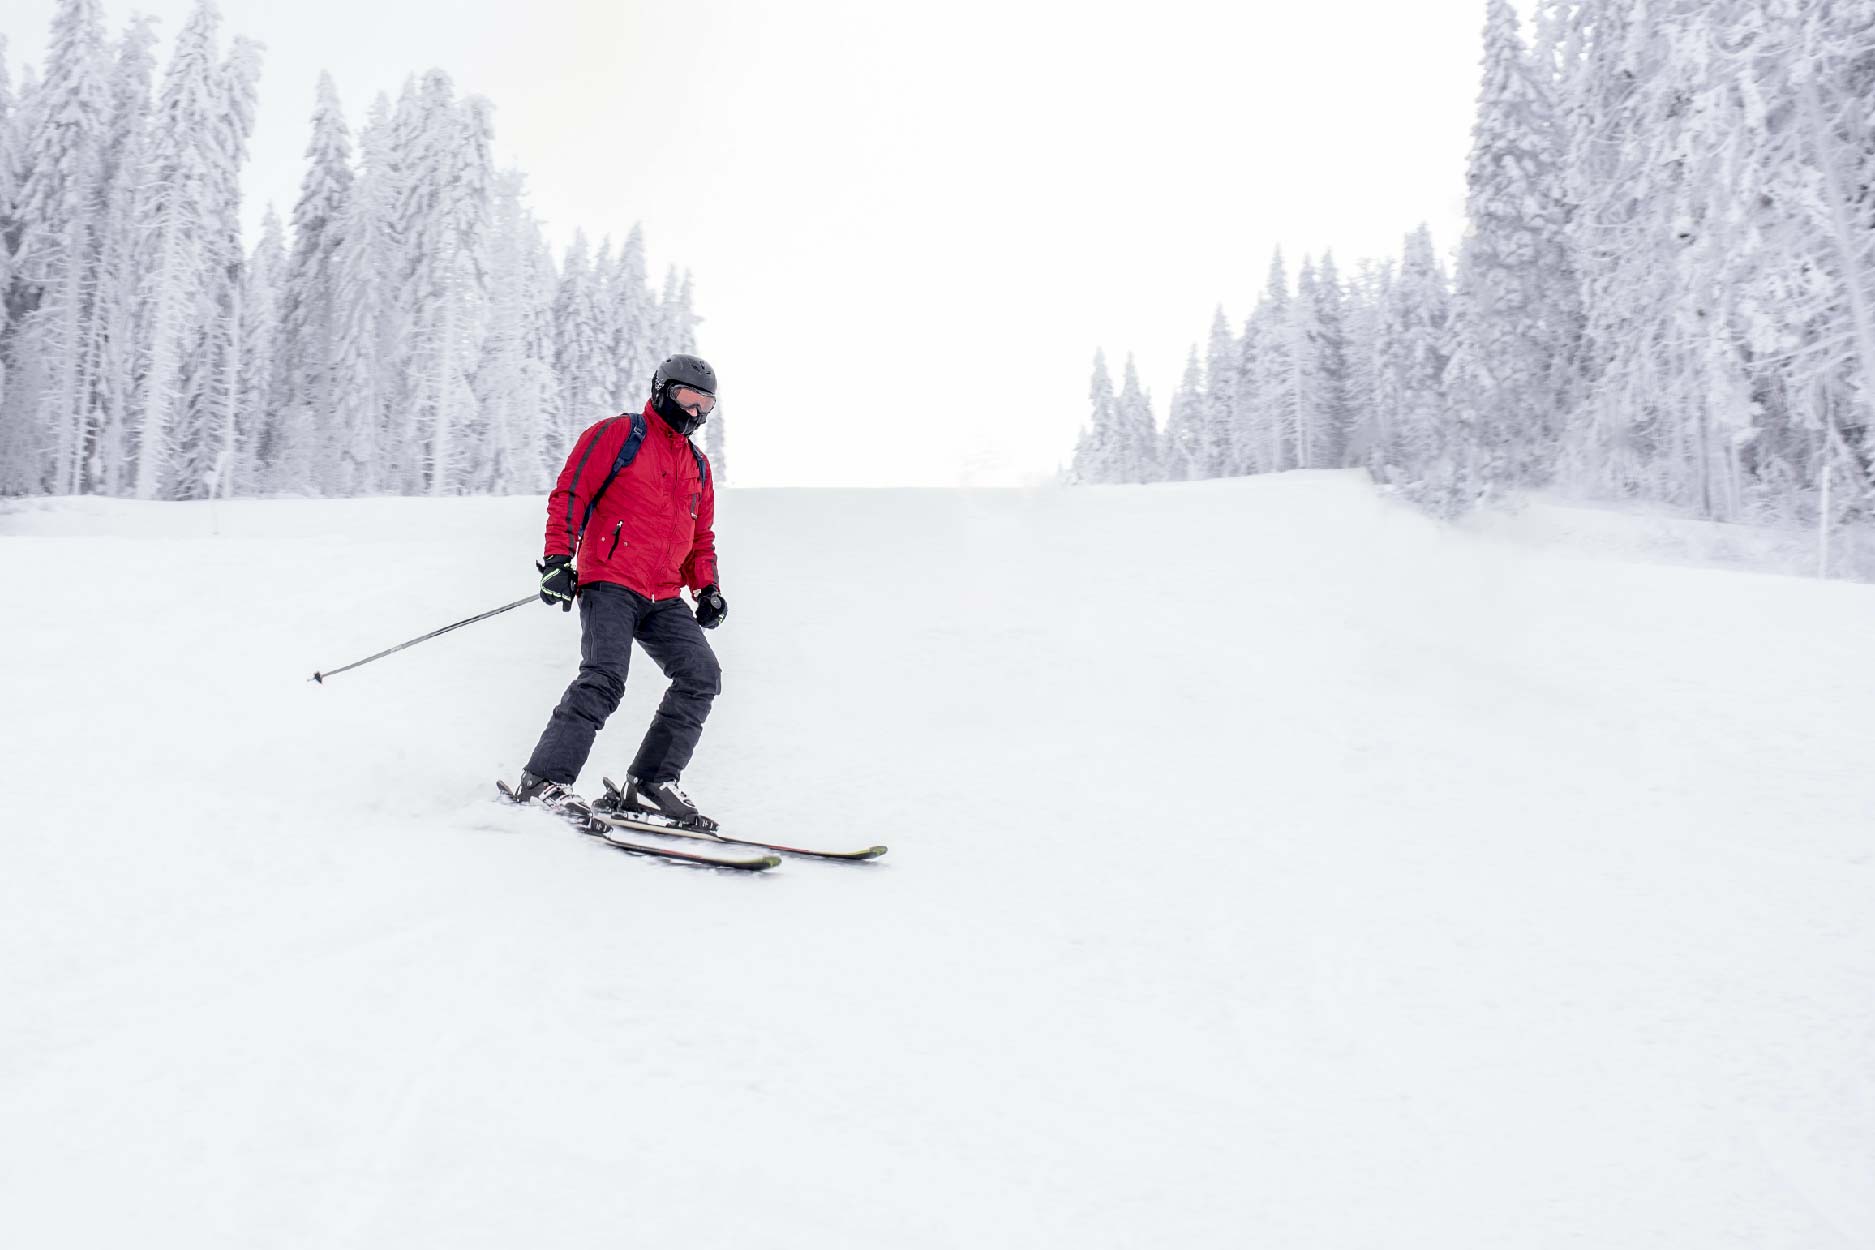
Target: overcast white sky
910	228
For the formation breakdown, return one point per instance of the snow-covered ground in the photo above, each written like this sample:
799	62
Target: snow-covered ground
1270	867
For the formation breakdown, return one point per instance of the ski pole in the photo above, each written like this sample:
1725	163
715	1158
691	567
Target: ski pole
506	607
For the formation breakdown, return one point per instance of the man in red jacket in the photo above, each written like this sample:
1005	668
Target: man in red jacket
629	526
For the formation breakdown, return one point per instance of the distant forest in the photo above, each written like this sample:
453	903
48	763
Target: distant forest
1663	291
407	331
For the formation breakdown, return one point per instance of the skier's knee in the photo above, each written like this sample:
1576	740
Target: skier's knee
704	678
604	688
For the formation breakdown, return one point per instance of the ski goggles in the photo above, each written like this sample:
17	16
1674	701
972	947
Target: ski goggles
693	401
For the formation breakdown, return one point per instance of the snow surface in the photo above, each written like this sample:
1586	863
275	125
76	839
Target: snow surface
1270	867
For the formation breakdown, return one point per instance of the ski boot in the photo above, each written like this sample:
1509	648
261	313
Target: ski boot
662	799
551	795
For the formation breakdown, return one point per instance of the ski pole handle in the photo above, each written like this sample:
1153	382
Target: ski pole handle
506	607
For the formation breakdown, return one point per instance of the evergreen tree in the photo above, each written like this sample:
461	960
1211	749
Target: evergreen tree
687	313
366	333
1183	453
112	341
1325	389
1641	139
1098	455
1267	418
257	385
1247	443
607	307
515	388
1805	292
1366	300
1138	459
638	331
1515	313
310	307
177	206
582	353
1213	457
49	429
444	220
203	439
10	178
406	243
1413	351
18	432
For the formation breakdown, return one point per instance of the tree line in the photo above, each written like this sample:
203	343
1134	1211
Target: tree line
407	331
1663	291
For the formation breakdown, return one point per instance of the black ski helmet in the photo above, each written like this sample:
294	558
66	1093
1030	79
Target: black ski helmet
681	370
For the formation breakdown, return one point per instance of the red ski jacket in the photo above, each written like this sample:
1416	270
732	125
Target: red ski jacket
651	529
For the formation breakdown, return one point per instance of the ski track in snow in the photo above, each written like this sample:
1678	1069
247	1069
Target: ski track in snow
1270	866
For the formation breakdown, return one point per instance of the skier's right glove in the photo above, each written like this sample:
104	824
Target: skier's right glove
558	582
711	606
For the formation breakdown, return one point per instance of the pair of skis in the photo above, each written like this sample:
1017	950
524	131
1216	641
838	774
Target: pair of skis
603	825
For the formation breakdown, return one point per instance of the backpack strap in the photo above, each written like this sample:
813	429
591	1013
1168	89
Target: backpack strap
703	466
626	454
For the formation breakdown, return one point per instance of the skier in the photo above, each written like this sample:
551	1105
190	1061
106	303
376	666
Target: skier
628	528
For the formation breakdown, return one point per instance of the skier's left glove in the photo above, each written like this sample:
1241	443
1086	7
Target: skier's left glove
558	582
711	607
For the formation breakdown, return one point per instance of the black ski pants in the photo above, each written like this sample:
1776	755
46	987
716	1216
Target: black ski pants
610	618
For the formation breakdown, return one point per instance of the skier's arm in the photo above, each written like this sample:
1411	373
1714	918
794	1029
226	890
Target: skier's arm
700	567
581	475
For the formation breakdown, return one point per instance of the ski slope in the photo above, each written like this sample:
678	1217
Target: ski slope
1270	867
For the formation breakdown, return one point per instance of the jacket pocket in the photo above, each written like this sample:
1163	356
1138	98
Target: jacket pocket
616	531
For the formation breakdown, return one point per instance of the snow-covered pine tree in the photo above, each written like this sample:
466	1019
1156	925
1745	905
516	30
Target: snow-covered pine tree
1276	369
1366	297
1647	122
581	349
471	182
444	221
1248	440
9	206
18	429
258	384
608	308
1596	69
684	314
676	314
112	337
310	309
638	332
204	436
1270	368
1139	432
407	242
366	333
1098	453
1805	284
515	388
1414	349
1515	310
48	421
1182	451
178	207
1213	457
1323	312
543	282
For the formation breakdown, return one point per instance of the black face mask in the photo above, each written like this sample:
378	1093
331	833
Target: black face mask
677	418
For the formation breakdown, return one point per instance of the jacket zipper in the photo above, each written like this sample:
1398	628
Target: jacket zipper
615	533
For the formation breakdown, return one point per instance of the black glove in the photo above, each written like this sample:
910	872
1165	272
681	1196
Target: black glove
558	582
711	607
